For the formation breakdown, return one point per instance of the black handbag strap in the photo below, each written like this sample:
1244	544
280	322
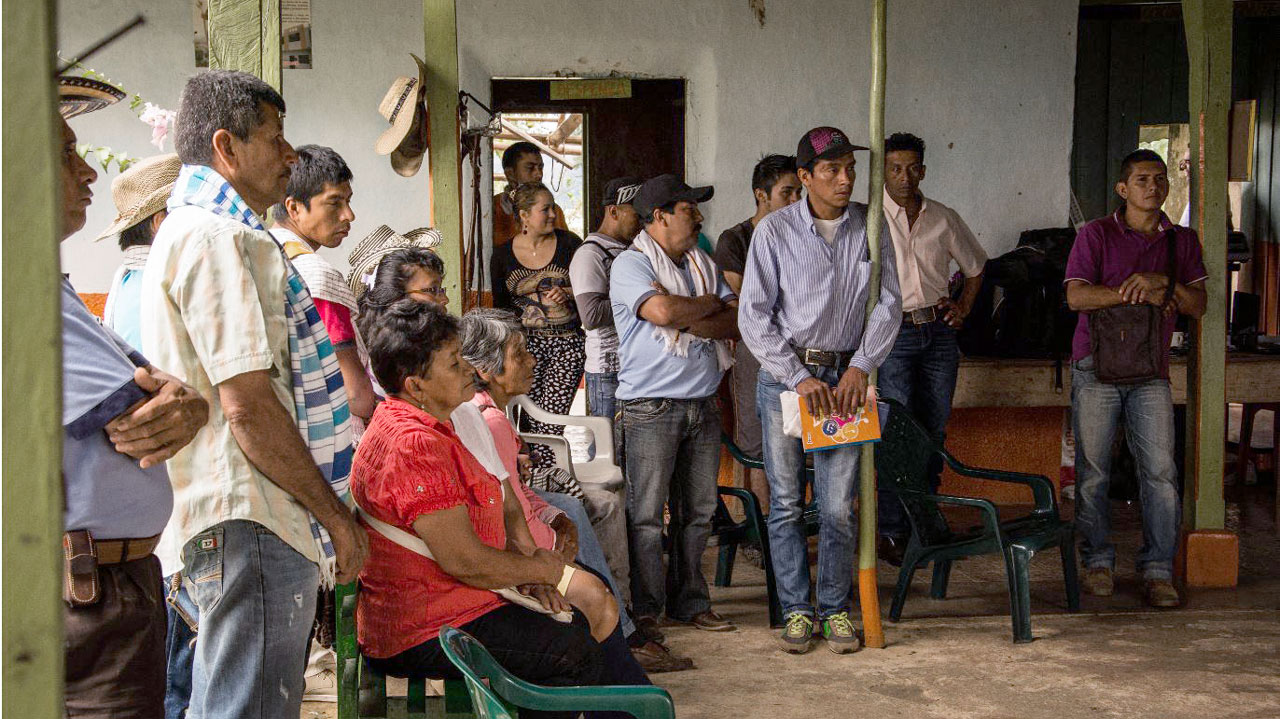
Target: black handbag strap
1171	264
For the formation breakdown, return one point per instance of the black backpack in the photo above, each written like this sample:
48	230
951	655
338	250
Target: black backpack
1021	310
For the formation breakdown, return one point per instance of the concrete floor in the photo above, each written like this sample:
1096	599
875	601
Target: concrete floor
1218	656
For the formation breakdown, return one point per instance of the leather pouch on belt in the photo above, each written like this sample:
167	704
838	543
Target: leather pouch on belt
80	569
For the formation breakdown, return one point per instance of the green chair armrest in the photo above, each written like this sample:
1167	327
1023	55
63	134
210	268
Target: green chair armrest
642	702
738	456
990	517
742	494
1041	486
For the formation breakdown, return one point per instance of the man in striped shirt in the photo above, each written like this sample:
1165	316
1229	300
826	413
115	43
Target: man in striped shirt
803	316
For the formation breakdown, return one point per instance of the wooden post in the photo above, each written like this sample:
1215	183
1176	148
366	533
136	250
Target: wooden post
30	339
245	35
1211	555
440	31
868	592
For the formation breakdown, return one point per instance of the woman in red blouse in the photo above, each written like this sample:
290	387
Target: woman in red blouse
413	473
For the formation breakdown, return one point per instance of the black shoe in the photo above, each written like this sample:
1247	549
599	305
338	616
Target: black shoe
891	549
647	628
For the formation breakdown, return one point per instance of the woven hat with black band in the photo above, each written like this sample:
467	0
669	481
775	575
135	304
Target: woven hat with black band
399	107
369	252
141	191
80	95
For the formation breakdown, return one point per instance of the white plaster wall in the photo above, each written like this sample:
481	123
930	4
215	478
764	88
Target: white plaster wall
360	47
987	83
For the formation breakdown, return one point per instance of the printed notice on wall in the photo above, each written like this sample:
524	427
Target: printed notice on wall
295	34
200	18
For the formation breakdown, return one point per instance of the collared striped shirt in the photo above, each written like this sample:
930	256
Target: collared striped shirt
800	292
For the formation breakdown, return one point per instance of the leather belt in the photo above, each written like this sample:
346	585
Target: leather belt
922	316
119	551
823	358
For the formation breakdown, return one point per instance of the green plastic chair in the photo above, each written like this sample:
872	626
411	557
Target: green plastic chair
902	466
504	692
362	690
752	529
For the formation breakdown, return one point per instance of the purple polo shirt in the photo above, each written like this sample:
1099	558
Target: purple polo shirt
1107	252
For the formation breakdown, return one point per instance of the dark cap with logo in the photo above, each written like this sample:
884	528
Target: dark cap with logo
665	190
621	191
823	143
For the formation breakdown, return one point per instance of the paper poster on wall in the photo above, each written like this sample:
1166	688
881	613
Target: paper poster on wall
200	19
295	34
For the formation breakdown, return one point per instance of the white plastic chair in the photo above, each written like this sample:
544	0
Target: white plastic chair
602	471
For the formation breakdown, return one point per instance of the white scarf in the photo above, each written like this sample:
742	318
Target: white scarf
706	278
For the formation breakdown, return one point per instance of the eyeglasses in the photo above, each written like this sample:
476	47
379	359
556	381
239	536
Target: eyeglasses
437	291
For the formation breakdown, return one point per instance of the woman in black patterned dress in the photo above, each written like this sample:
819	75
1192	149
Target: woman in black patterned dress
530	276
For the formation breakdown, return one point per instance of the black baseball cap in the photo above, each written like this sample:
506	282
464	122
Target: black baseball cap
667	189
621	191
823	143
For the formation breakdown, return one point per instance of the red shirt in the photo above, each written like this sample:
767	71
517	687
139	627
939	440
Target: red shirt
337	322
410	464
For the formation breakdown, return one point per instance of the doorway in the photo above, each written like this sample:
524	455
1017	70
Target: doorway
627	127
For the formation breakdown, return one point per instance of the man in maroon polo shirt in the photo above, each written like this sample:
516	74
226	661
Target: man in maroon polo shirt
1121	259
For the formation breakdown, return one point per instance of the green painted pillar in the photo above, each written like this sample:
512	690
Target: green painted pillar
245	35
440	53
868	594
30	340
1208	29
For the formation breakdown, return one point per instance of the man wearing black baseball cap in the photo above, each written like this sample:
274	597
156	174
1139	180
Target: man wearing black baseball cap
674	314
803	316
589	273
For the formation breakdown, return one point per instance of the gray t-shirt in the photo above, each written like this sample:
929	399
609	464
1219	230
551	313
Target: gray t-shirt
589	276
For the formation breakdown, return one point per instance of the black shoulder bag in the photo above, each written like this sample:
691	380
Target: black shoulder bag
1126	340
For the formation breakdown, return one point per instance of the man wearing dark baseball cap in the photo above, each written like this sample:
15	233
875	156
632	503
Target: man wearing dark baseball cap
674	314
589	275
803	316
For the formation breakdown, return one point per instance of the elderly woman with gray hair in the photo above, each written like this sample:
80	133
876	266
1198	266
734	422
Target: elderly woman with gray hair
493	343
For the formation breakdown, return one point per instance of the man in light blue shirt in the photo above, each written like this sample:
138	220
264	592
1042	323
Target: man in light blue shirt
140	194
673	312
803	316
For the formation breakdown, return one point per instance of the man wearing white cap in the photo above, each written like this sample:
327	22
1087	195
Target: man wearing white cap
140	194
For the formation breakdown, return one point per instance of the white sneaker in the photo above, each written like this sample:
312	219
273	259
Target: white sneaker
321	687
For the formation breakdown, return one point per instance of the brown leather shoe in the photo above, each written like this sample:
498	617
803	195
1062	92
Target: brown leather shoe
656	659
1098	581
709	621
647	628
1161	593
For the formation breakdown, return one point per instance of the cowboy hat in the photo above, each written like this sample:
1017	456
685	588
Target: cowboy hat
80	95
141	191
369	252
425	237
400	107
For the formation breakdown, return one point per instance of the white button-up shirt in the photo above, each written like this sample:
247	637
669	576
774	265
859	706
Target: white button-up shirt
213	308
925	250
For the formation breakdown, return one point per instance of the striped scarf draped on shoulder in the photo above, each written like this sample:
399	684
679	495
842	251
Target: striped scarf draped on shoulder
319	396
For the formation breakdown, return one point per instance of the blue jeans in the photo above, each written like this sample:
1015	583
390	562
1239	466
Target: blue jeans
590	553
920	372
602	388
834	483
180	641
672	451
256	597
1147	409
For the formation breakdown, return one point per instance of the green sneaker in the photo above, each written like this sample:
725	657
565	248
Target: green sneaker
841	637
797	634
